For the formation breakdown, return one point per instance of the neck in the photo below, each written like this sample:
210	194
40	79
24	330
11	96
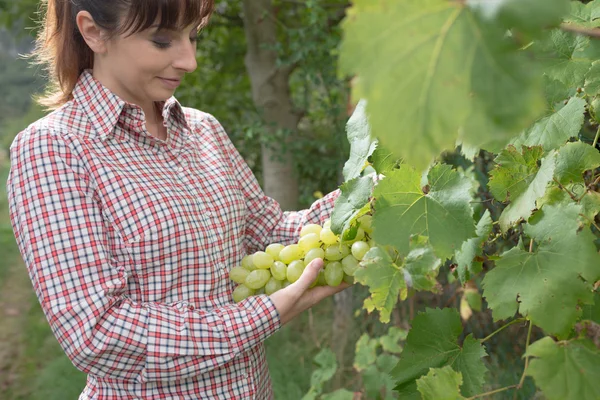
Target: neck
151	112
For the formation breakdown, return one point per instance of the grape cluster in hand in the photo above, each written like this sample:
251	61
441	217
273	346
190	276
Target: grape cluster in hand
279	266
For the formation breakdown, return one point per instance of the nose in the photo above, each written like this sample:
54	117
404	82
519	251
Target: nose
186	58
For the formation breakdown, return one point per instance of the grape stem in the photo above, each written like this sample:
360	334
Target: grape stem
520	385
514	321
596	138
492	392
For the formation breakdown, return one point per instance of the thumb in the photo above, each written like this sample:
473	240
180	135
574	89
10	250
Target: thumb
310	273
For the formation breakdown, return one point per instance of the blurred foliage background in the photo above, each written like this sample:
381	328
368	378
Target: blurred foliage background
304	47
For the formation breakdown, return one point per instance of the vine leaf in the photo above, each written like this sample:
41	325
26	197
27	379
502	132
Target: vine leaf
585	15
592	80
385	280
440	383
361	145
528	15
439	209
567	57
355	194
421	267
431	68
546	285
433	343
565	371
573	160
518	178
467	267
554	130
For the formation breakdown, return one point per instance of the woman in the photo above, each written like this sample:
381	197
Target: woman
130	209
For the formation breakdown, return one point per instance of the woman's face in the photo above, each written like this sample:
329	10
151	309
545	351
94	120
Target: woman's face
147	65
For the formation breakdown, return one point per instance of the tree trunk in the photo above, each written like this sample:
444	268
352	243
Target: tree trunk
271	95
342	326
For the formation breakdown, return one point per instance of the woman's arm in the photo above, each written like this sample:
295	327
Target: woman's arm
60	232
265	221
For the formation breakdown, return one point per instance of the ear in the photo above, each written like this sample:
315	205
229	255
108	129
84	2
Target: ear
92	34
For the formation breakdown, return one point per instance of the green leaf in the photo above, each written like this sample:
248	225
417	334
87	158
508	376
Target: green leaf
567	57
467	267
432	68
592	311
384	279
584	15
589	200
375	380
421	268
390	341
527	15
517	177
565	371
340	394
440	384
361	144
573	160
554	130
592	80
557	94
366	352
433	343
353	197
548	284
443	214
327	364
384	160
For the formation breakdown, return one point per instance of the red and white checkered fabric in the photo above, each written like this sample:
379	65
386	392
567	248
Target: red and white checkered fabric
128	240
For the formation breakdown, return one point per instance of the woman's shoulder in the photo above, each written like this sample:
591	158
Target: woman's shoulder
57	123
203	123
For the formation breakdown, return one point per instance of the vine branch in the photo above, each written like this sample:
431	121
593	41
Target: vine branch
596	138
590	32
492	392
514	321
520	385
571	195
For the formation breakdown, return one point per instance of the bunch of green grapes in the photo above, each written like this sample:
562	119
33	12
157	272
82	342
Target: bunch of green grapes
279	266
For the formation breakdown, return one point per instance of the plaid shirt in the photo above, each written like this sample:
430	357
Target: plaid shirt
128	240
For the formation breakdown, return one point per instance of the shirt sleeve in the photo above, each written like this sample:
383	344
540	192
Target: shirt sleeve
266	223
60	230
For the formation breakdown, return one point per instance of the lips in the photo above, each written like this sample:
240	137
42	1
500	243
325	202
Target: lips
172	83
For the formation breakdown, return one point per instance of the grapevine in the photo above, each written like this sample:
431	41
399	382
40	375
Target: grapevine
517	82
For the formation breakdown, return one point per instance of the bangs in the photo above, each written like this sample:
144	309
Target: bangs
167	14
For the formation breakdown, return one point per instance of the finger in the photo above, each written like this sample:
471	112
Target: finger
316	294
310	273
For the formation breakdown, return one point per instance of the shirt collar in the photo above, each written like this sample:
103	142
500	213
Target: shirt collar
104	109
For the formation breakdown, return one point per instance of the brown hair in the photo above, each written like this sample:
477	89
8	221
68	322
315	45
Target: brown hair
63	53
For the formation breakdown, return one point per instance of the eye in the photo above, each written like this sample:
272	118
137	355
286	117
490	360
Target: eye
161	45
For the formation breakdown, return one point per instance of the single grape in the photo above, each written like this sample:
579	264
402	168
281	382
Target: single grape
241	292
272	286
333	253
290	253
350	264
314	253
238	274
334	273
359	249
286	283
274	249
349	279
328	237
257	278
294	270
366	222
321	278
309	241
262	260
247	263
344	250
360	234
327	223
279	270
310	228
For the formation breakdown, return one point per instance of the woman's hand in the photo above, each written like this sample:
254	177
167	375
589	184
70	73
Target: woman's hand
297	297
